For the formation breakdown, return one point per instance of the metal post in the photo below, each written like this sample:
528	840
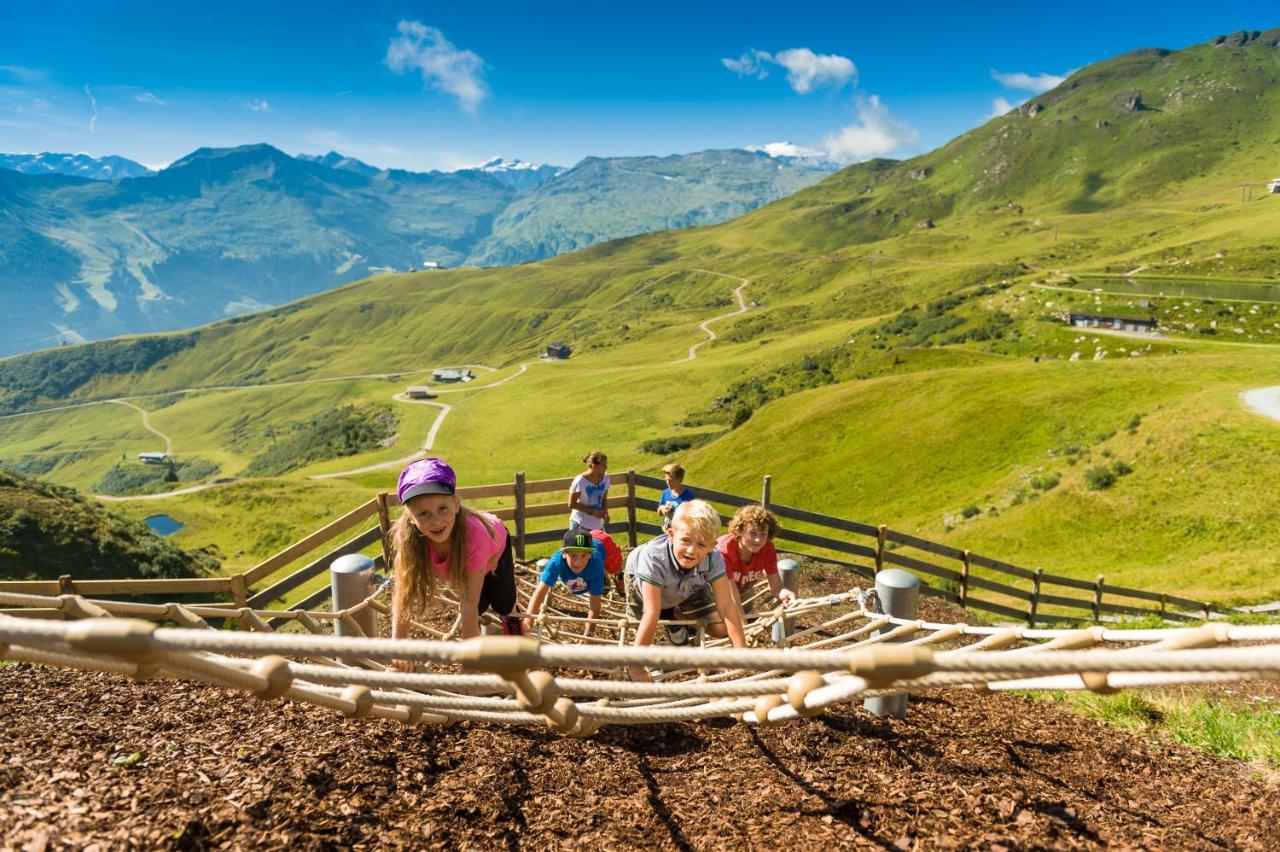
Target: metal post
351	579
897	593
789	574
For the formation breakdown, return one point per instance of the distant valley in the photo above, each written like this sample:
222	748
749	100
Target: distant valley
95	248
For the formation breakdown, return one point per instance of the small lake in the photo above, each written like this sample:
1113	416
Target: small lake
1181	288
163	524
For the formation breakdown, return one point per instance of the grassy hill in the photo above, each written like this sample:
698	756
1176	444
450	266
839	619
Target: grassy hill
47	531
904	358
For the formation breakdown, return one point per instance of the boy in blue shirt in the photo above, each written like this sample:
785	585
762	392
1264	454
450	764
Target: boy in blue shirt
674	494
579	564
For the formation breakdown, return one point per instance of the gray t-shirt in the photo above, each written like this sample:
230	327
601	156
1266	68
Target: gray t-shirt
654	563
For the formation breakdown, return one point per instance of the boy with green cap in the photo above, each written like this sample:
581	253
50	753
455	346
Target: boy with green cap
579	564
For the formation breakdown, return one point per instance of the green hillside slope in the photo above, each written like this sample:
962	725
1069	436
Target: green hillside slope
903	358
47	531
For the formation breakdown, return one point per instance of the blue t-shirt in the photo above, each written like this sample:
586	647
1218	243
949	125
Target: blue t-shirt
589	581
669	496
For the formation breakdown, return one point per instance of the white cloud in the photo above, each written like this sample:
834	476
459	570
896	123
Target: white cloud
148	98
29	76
875	134
750	64
806	70
442	65
1035	84
41	104
257	105
999	106
93	102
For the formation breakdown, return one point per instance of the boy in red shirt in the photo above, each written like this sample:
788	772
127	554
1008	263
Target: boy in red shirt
749	554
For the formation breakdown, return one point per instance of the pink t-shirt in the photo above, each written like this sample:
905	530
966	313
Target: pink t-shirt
484	545
745	573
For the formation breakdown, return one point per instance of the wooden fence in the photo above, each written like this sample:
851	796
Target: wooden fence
959	576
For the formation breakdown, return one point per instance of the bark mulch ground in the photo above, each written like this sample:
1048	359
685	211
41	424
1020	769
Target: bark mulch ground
220	770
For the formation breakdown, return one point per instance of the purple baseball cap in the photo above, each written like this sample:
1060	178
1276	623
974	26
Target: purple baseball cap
426	476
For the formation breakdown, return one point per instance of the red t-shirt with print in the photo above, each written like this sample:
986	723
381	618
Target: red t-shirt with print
746	573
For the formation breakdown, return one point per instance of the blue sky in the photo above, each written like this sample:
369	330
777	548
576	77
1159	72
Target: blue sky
436	85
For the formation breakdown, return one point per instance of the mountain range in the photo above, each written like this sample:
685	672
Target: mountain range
224	231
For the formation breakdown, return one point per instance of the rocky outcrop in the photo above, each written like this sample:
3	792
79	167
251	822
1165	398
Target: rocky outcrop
920	174
1031	110
1267	38
1129	101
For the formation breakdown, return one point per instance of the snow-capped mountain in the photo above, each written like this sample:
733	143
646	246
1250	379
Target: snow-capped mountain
518	174
788	150
109	167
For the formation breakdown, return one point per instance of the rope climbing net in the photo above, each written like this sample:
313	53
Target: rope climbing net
847	653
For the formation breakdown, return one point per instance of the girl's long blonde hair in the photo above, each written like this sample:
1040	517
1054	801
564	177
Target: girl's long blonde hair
415	587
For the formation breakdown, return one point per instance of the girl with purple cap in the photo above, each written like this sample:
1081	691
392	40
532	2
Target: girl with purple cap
437	538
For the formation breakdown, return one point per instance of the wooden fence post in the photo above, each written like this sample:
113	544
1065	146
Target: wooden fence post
631	508
1164	602
66	586
1097	598
384	524
766	493
880	531
1208	607
519	487
239	590
964	580
1035	598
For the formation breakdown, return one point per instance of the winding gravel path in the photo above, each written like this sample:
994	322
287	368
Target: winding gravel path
1265	401
705	325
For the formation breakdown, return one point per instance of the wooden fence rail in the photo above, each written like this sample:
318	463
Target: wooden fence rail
949	573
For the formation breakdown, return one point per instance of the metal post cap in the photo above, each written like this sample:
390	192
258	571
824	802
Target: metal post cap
788	565
896	578
352	563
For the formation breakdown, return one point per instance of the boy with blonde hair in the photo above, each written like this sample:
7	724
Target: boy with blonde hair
679	575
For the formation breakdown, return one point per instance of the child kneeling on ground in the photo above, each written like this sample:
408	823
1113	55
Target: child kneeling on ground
437	538
580	566
679	575
749	554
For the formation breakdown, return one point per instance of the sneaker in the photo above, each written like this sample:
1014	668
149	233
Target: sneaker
679	635
512	626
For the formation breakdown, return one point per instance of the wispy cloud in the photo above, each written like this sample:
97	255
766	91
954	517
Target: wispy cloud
999	106
93	102
442	65
148	98
753	63
257	105
876	133
41	104
22	74
806	70
1036	84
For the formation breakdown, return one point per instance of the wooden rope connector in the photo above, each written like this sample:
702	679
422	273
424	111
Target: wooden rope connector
881	665
801	684
1208	636
275	671
501	655
1077	639
362	699
80	607
1097	682
762	708
563	714
119	637
536	692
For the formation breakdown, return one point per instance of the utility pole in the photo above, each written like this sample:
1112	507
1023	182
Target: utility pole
1055	232
869	278
1246	192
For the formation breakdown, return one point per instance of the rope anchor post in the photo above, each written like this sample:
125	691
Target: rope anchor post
789	574
351	580
897	594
